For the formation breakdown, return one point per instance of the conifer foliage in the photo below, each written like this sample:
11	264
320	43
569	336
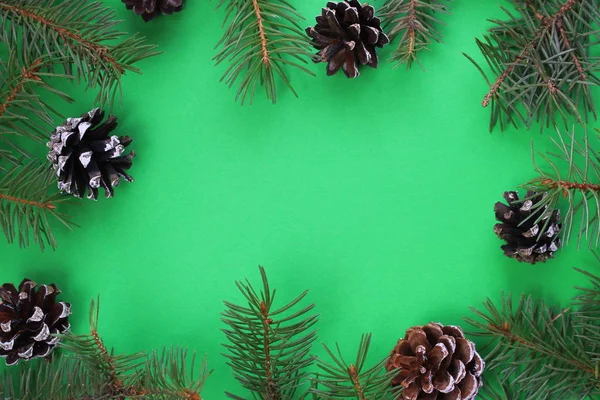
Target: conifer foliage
262	39
87	369
415	25
541	62
42	42
569	175
540	351
268	345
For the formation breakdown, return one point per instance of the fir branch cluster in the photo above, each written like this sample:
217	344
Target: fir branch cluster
46	41
541	58
269	351
543	352
86	369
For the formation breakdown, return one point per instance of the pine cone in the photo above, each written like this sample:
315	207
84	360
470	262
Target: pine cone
347	34
436	362
149	9
85	157
28	318
525	240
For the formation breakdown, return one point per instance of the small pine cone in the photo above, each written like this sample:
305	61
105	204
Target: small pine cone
346	35
85	157
436	362
29	317
149	9
526	240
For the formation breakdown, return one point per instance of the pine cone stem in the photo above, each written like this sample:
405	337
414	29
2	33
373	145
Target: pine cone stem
102	53
266	59
357	386
48	206
27	73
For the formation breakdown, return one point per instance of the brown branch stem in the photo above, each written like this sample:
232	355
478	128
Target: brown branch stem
68	36
261	33
563	34
567	185
505	331
116	383
545	22
412	17
272	392
357	386
27	73
47	206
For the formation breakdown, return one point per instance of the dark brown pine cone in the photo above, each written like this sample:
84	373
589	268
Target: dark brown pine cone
86	157
346	35
436	362
29	317
149	9
526	240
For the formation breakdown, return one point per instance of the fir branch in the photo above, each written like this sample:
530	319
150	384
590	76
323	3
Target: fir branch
89	371
542	62
43	379
81	37
263	39
109	370
268	348
415	22
340	380
22	111
26	206
568	176
166	376
540	350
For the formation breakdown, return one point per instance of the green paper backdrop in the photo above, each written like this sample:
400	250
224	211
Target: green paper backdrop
376	194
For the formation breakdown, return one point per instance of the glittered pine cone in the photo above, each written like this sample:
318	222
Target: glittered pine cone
347	34
86	157
436	362
149	9
29	316
527	240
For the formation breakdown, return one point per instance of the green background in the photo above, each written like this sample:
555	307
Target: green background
376	194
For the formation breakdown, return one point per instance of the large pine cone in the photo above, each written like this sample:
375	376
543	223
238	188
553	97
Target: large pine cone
525	240
436	362
347	34
85	157
149	9
28	319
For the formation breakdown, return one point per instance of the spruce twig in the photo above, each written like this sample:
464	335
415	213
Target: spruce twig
339	380
26	205
543	352
541	57
569	176
23	113
80	38
269	348
415	23
262	39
